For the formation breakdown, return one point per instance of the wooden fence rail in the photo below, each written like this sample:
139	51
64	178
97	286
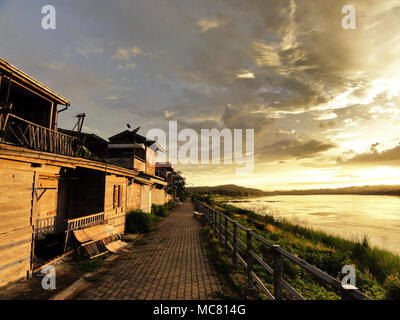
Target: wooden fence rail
224	234
46	225
82	222
30	135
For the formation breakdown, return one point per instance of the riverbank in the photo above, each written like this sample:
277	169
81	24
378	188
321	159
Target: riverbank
351	217
377	270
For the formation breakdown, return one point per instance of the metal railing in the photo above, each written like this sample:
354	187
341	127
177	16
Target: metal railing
227	231
34	136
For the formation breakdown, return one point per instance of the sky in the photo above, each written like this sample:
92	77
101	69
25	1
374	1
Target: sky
324	102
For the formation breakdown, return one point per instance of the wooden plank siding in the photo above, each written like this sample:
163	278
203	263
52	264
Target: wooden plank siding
115	204
46	206
158	196
35	196
16	238
133	197
145	198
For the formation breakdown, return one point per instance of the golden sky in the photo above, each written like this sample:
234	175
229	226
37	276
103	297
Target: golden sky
324	101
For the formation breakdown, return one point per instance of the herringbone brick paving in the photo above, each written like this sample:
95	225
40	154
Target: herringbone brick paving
169	264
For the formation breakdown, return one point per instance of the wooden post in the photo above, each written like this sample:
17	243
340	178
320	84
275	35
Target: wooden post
277	273
66	242
215	220
250	281
35	184
220	228
226	233
234	244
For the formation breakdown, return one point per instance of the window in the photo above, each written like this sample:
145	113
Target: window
114	197
117	196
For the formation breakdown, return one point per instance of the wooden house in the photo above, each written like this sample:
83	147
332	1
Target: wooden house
134	151
46	191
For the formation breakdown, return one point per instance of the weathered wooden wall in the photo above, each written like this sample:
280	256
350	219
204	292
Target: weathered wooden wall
133	197
139	165
158	196
33	199
16	231
112	212
145	198
124	162
45	214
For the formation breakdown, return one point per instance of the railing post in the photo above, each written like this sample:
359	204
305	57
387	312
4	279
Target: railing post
213	219
234	244
277	273
250	281
226	233
220	228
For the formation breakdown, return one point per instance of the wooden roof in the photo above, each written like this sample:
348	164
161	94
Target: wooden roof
12	152
22	78
128	136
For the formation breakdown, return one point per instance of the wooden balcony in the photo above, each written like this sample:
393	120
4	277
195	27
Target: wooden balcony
139	164
30	135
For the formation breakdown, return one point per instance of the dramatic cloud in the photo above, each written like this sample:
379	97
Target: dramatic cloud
207	24
312	91
374	157
295	148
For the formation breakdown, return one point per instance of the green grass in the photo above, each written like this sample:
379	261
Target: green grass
90	265
377	270
222	266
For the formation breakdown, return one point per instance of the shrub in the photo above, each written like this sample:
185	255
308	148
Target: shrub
138	221
170	204
392	284
159	210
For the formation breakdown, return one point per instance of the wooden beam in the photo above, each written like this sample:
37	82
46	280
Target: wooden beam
51	115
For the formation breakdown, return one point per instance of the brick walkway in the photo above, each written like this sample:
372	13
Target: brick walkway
170	263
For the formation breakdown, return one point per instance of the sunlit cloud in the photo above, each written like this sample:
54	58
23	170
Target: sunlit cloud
312	91
126	54
245	74
206	24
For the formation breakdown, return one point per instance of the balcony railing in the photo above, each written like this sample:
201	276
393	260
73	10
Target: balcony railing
31	135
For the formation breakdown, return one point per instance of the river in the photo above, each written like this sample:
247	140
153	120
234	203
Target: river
347	216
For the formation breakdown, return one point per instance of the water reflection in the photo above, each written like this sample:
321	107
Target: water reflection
349	216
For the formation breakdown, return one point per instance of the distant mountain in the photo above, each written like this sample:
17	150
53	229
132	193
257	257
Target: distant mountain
234	190
393	190
228	190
